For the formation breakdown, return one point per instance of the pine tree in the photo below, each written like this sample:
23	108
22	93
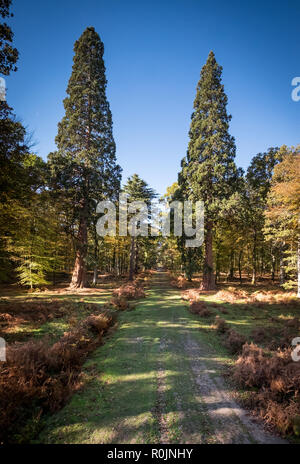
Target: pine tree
208	171
84	167
137	190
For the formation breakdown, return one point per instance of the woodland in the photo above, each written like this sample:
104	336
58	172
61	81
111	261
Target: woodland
132	316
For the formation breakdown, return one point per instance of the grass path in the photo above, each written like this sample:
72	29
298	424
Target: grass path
158	379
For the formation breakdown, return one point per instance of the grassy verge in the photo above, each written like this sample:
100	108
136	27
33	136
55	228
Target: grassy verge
24	317
260	322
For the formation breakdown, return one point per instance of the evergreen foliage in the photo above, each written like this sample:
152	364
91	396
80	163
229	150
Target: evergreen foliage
84	167
208	170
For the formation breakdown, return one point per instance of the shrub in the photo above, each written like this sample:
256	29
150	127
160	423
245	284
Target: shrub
225	295
40	376
119	303
200	309
258	335
261	297
249	369
286	416
220	325
130	290
12	314
231	295
190	295
277	379
179	282
234	341
100	323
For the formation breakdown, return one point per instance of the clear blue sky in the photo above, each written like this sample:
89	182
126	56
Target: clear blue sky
154	51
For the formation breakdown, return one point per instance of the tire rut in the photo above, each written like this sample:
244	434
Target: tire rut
231	423
160	405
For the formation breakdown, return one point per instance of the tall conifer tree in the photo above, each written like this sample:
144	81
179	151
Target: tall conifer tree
84	167
208	171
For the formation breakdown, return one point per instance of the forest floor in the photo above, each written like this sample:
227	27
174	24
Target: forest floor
28	316
159	378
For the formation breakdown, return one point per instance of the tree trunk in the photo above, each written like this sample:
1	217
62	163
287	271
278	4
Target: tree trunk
117	266
253	282
136	267
208	282
281	265
95	275
79	271
114	262
30	273
188	267
96	255
298	266
131	262
240	266
273	266
54	269
217	277
231	270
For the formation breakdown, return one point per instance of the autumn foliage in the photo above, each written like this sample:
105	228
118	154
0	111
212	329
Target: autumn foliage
200	308
130	290
39	377
274	383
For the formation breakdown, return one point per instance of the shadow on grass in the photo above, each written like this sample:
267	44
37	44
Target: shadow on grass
118	401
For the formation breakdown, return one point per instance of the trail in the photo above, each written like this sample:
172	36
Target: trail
156	380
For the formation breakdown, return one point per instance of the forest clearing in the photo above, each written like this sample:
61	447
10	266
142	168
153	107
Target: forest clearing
162	375
134	311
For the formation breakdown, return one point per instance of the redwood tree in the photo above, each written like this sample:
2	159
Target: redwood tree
84	167
208	170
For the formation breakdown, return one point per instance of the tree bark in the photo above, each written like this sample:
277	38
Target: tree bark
231	270
273	266
131	262
254	271
96	255
79	271
217	276
136	265
208	282
188	266
281	265
298	266
240	266
261	263
95	275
